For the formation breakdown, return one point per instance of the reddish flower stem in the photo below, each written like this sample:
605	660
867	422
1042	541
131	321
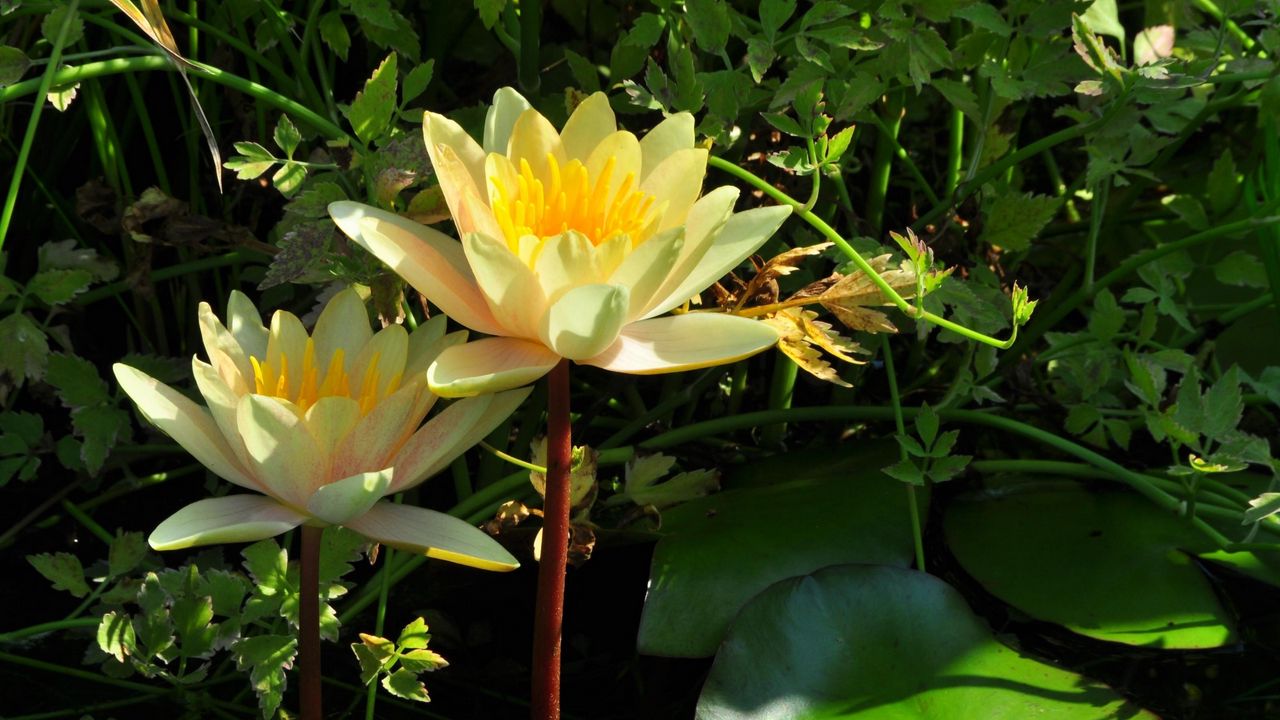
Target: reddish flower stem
549	614
309	624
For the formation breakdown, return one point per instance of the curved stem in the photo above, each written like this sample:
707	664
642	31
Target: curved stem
309	624
549	614
917	537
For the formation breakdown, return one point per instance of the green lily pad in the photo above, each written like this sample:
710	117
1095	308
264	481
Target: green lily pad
724	549
874	642
1106	564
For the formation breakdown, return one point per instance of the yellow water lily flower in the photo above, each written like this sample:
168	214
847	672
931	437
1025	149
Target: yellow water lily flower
323	426
573	243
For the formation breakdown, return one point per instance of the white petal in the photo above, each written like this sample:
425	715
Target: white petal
290	463
489	365
187	423
510	287
339	502
246	324
742	235
507	106
432	262
648	267
674	133
433	534
591	122
586	320
230	519
342	325
684	342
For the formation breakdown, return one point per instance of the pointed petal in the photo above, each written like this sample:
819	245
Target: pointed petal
472	213
433	534
674	133
187	423
507	107
429	260
706	218
222	401
684	342
586	320
286	346
467	157
378	434
565	262
230	519
389	348
245	324
423	350
342	325
623	148
509	286
290	463
221	345
330	420
647	268
338	502
533	138
451	433
591	122
742	235
489	365
677	181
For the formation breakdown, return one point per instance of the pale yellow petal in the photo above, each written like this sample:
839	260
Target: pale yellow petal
705	220
452	432
647	268
439	132
286	348
677	182
245	324
565	262
489	365
622	150
674	133
342	325
330	420
433	534
591	122
586	320
344	500
684	342
378	435
221	346
533	138
289	463
380	362
230	519
515	298
501	117
222	401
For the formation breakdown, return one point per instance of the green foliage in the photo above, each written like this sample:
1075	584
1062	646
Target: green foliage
929	458
379	657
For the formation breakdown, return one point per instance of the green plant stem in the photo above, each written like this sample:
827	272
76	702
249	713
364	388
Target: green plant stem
512	459
549	613
670	403
1097	214
917	537
781	387
834	237
309	624
1134	480
89	523
42	628
890	135
46	82
882	166
955	151
530	69
380	624
80	674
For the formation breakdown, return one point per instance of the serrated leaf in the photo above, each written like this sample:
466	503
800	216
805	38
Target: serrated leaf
191	621
585	72
986	17
423	660
1107	318
1188	209
65	255
52	25
287	136
760	55
370	113
927	422
100	427
313	203
416	82
370	660
774	14
252	161
710	22
334	33
268	564
489	11
1013	220
55	287
414	635
268	656
1223	405
13	65
288	179
63	570
406	685
905	471
1242	269
645	31
76	380
1263	506
116	636
127	550
1222	185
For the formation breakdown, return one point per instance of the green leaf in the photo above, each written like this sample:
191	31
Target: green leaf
313	203
710	22
288	179
423	660
56	287
268	656
645	31
1223	406
52	24
905	471
1104	18
375	655
880	642
63	570
116	637
334	33
927	54
370	113
489	11
1107	318
406	685
986	17
1242	269
927	425
1223	186
226	589
774	14
1106	564
1012	220
287	136
414	635
76	380
416	82
191	621
960	96
100	426
1263	506
585	72
785	123
1188	209
252	161
268	564
127	551
715	557
13	65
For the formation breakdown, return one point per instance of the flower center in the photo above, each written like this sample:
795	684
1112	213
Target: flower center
571	201
313	384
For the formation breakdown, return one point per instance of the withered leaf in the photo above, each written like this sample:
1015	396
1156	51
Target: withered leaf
779	265
801	336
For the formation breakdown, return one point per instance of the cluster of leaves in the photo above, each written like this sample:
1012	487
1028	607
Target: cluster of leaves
399	662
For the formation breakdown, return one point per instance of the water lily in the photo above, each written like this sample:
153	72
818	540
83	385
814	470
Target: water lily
573	244
320	427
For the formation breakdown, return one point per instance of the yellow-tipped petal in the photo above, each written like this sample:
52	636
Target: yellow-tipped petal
741	236
190	425
677	182
429	260
684	342
705	220
348	498
624	150
674	133
591	122
245	324
433	534
379	368
586	320
286	348
290	463
533	138
230	519
507	107
439	131
342	325
510	287
647	268
489	365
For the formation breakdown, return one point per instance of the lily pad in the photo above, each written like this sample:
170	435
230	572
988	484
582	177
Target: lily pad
1106	564
724	549
862	641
